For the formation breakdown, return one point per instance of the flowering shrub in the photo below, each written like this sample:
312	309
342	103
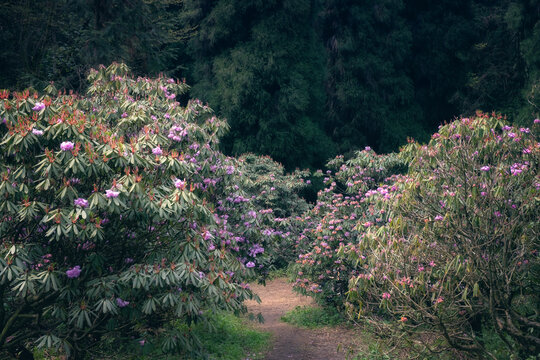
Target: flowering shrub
273	189
344	210
459	258
108	216
275	197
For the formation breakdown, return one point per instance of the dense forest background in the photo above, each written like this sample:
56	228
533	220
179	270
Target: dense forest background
299	80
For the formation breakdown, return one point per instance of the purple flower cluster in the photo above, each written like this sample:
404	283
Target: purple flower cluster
39	106
74	272
518	168
81	202
121	303
256	249
268	232
168	95
176	133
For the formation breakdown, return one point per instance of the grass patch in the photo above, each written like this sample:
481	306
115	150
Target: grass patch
312	317
277	273
233	339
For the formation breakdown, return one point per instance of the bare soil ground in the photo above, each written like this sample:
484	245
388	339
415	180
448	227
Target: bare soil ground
295	343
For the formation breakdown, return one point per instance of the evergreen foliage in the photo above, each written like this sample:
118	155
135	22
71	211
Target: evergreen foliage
60	40
262	64
298	80
370	93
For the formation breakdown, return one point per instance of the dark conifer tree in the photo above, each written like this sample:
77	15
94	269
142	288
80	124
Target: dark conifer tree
370	92
59	40
261	65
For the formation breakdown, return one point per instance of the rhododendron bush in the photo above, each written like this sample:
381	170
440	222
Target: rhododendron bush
276	196
460	257
446	252
121	219
109	216
345	209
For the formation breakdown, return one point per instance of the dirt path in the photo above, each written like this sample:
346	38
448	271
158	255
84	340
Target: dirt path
291	342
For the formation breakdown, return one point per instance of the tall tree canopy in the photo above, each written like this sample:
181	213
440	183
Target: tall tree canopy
370	92
298	80
261	64
60	40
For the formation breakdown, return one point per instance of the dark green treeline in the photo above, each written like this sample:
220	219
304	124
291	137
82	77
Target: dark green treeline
300	80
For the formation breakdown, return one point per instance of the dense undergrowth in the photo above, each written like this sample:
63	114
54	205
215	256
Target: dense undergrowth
122	221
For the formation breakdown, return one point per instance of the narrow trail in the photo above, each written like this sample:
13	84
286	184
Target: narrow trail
291	342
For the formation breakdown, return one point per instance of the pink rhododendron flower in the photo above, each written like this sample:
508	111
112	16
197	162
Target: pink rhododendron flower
157	151
111	193
37	132
67	145
180	184
485	168
250	264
